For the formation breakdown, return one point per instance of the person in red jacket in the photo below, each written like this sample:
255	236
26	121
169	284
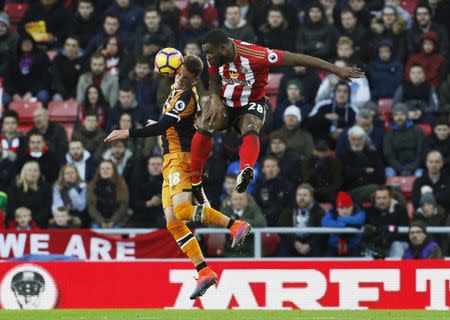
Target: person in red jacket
429	57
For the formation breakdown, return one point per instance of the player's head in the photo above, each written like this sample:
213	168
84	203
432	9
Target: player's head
190	72
217	47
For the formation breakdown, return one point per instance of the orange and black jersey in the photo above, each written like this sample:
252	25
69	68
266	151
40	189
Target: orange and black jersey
177	124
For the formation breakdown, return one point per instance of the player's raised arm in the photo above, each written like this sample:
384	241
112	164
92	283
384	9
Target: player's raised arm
295	59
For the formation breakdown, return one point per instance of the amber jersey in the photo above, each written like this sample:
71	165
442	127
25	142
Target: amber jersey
183	106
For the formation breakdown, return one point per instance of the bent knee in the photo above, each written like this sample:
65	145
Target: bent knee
183	211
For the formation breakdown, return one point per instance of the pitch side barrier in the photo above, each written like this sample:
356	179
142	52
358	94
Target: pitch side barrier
258	232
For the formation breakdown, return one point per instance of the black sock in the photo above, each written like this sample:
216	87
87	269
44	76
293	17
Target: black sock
230	223
201	266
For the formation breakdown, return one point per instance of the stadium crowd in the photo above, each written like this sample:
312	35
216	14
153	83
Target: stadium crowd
374	153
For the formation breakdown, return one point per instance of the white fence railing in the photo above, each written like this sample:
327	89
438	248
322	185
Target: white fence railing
257	232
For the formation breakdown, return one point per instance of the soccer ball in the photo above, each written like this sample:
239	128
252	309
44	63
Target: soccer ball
168	61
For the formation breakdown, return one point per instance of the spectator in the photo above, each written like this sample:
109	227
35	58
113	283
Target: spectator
294	98
344	215
130	15
269	32
288	160
391	27
123	159
116	57
84	21
323	172
385	73
289	10
8	43
361	10
428	58
170	14
330	10
315	37
94	102
81	159
401	12
150	47
403	146
423	23
154	27
433	215
229	184
243	209
194	48
31	191
435	180
236	26
305	213
359	88
39	151
346	52
297	139
54	19
54	134
418	94
444	94
127	104
7	168
22	220
373	135
108	197
330	117
70	191
356	32
362	167
12	141
440	140
196	29
308	79
386	214
91	135
100	78
272	190
420	246
145	87
27	75
63	220
66	68
208	12
146	200
111	25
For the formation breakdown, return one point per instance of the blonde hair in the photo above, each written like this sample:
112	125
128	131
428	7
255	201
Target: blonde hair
22	182
60	182
344	41
22	209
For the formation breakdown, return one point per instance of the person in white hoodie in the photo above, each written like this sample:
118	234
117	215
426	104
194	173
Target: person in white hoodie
82	160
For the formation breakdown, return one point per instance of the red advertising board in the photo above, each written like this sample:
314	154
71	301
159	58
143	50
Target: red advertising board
245	284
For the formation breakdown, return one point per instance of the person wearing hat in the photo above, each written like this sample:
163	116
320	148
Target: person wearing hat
345	214
323	172
403	146
421	247
297	139
8	42
433	215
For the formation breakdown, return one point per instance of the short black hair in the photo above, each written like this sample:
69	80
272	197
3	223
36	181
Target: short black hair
10	114
270	157
193	64
151	9
215	37
111	15
142	60
126	86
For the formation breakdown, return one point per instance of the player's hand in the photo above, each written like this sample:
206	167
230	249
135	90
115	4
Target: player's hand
150	122
117	135
347	73
215	113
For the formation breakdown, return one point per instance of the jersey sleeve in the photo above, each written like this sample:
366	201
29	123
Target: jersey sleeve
183	107
212	69
274	58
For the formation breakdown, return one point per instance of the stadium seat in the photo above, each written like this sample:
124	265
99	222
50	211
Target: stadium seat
24	128
426	128
215	244
404	183
68	127
181	4
385	106
25	110
270	242
16	11
63	111
273	85
409	5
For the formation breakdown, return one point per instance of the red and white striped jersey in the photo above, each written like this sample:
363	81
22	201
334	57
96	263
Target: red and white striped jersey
244	80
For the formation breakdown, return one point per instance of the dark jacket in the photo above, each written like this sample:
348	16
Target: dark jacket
97	41
403	147
278	114
309	80
414	38
355	165
298	140
38	201
8	45
243	31
441	189
272	196
145	91
92	141
56	139
358	35
7	172
270	37
164	34
376	137
192	35
90	163
65	74
84	29
439	219
443	146
290	166
48	164
130	17
428	250
137	114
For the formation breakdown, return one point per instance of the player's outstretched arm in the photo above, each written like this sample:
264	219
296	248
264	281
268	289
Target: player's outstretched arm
295	59
154	129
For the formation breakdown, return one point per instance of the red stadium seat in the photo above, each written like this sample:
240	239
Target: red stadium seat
273	83
68	127
16	11
270	242
409	5
215	244
181	4
24	128
426	128
63	111
404	183
25	110
385	106
273	101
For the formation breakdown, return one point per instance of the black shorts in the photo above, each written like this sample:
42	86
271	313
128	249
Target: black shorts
258	109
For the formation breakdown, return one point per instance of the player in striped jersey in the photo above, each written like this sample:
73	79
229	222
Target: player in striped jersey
177	129
238	73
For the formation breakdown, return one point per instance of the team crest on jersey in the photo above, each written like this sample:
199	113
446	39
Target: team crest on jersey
234	74
272	57
243	69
